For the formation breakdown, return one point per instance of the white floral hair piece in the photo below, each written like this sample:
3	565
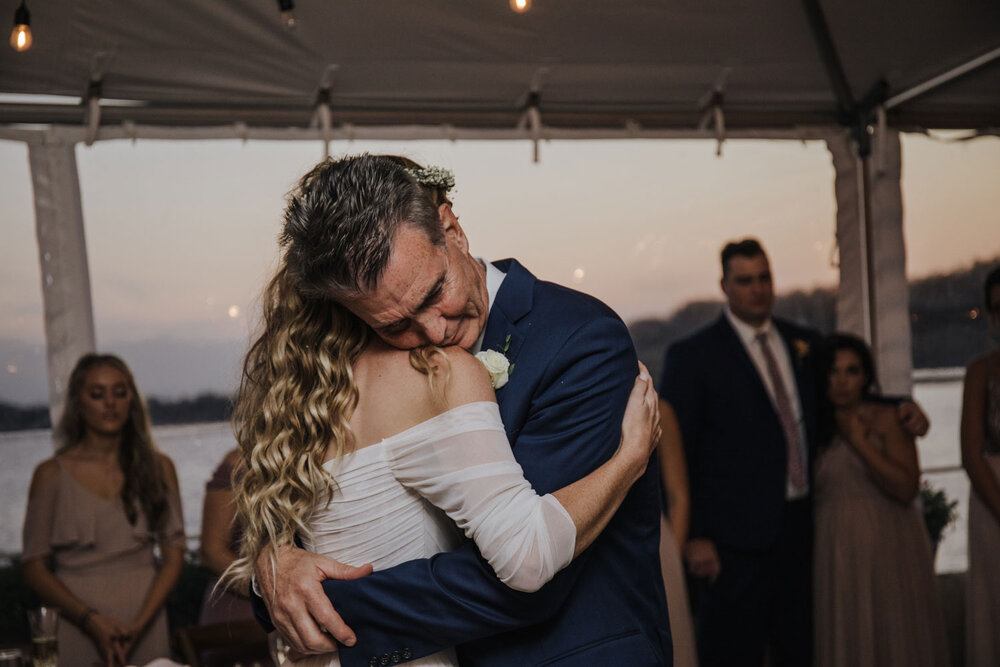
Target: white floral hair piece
433	177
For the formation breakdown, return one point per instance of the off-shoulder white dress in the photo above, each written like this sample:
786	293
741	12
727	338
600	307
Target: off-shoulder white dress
414	494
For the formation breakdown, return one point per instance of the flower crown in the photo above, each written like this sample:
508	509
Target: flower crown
433	177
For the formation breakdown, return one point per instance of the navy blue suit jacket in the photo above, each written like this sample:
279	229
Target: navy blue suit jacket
735	446
574	365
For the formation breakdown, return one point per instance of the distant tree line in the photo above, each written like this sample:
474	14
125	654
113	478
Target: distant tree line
946	315
202	408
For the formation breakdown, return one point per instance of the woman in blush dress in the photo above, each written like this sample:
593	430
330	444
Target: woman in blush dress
371	454
96	510
876	597
220	539
673	533
981	460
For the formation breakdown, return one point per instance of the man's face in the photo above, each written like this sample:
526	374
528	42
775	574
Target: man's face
428	295
748	288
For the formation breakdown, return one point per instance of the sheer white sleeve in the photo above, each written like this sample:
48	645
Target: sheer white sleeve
466	468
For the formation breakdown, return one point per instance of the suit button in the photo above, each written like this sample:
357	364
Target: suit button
407	654
373	662
396	657
384	660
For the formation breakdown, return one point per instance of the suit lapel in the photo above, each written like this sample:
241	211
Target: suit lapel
798	352
512	303
742	362
791	343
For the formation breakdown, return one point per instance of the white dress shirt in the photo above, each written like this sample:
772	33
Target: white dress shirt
748	336
494	278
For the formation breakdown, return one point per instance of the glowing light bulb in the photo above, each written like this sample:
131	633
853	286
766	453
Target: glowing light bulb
287	17
520	6
20	36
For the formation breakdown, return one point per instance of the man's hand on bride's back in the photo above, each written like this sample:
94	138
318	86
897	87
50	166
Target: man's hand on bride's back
294	596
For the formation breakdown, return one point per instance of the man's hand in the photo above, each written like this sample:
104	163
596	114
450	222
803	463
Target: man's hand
702	559
294	597
913	419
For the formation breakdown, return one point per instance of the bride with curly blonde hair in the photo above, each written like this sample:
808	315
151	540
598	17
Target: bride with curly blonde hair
372	454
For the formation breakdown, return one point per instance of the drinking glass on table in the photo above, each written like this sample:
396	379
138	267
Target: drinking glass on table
278	648
44	622
12	657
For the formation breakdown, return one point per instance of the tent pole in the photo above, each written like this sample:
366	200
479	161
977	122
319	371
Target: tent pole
942	79
867	258
873	296
831	59
62	252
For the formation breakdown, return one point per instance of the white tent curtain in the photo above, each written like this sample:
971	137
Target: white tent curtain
873	301
62	251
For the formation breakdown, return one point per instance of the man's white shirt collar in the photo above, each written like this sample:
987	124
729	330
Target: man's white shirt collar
747	333
494	277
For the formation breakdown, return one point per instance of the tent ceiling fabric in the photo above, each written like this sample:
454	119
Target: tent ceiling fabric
471	63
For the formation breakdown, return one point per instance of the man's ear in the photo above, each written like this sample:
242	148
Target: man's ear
453	231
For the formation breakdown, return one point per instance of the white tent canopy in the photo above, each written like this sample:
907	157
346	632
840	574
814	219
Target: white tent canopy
403	69
472	64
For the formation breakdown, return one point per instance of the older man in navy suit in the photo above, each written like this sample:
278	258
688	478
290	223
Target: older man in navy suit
743	392
574	365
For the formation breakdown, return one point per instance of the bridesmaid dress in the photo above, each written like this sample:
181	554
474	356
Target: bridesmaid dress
982	597
875	593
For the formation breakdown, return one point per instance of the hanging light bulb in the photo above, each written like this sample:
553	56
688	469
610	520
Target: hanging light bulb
520	6
287	17
20	36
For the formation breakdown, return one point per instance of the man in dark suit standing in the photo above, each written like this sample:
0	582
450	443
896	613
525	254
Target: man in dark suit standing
743	391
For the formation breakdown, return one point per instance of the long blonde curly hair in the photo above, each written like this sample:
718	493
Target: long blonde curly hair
297	393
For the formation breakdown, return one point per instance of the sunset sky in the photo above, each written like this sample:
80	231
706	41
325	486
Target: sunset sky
181	235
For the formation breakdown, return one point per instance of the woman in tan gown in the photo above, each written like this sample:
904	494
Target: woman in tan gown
875	594
97	508
673	534
981	460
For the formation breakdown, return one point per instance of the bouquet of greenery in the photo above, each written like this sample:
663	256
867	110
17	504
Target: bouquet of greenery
939	511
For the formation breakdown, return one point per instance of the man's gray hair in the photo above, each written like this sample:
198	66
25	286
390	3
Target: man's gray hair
341	220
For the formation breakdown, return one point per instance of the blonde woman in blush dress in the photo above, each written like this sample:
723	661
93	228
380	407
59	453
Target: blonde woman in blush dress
981	460
673	533
96	510
875	593
376	455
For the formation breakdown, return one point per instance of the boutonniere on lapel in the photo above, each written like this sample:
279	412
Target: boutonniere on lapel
497	363
801	349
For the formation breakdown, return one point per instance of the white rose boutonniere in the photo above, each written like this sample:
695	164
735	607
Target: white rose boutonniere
498	366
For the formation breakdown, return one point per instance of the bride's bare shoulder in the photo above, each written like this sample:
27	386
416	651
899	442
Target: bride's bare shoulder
467	379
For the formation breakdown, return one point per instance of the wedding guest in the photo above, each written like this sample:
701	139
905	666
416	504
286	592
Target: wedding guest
743	392
673	533
220	539
876	596
97	509
981	460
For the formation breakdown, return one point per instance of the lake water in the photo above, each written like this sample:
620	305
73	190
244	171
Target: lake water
197	448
